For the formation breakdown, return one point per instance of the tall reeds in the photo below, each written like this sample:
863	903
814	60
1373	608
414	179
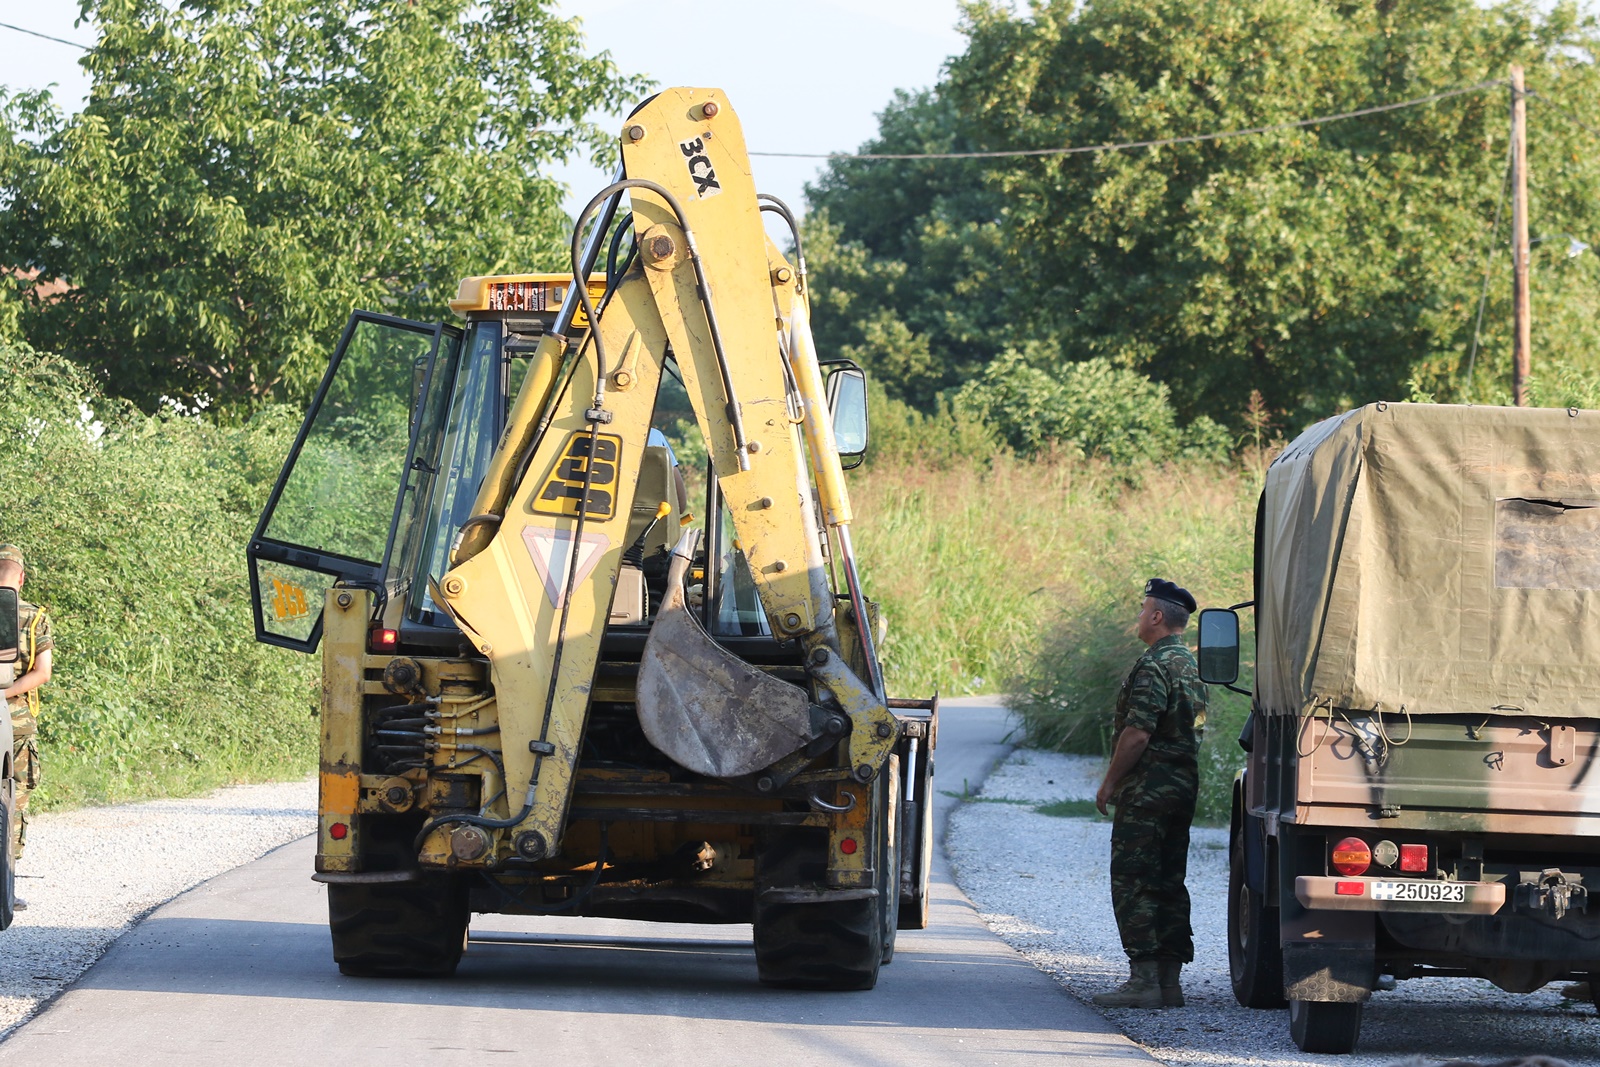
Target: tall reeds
1024	577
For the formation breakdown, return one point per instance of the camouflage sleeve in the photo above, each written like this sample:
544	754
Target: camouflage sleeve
42	639
1147	697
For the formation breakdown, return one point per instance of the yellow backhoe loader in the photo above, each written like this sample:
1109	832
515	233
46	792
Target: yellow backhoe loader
547	686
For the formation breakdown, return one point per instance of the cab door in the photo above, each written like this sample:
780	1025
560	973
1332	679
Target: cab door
360	454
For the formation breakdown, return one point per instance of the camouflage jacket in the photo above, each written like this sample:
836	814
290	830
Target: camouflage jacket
34	637
1164	696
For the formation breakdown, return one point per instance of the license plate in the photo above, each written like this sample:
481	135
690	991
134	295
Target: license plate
1441	892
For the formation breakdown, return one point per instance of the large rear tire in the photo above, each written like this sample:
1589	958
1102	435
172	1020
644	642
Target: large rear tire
1318	1026
1255	957
398	929
812	945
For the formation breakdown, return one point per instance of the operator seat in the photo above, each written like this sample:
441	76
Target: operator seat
656	484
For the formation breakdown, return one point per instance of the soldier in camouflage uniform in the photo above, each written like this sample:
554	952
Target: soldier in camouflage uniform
1154	781
32	670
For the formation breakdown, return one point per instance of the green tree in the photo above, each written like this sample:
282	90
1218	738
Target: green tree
247	171
906	255
1325	266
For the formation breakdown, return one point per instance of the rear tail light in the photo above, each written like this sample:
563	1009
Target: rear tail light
339	831
1350	889
383	640
1414	858
1352	856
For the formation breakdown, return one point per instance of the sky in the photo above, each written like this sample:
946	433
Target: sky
803	75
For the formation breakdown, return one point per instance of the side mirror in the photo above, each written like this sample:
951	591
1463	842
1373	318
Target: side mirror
10	630
1219	646
847	405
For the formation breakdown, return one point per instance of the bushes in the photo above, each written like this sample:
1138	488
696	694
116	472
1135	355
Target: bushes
1088	407
135	529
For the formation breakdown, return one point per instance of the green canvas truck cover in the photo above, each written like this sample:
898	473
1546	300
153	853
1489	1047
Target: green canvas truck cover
1435	559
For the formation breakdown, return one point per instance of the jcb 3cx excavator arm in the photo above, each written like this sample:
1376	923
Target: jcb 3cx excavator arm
533	576
528	704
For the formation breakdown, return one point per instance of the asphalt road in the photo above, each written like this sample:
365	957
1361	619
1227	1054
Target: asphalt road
239	971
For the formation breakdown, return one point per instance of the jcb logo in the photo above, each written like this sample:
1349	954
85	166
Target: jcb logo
564	490
705	179
288	601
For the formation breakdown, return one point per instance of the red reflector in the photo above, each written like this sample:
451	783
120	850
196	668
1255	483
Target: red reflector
1352	856
848	846
1413	857
385	640
1349	889
338	831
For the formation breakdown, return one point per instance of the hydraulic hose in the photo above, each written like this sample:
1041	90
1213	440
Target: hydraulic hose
703	292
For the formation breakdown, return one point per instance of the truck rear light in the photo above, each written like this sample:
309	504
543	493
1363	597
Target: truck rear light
1414	857
1352	856
338	831
1349	889
383	640
848	846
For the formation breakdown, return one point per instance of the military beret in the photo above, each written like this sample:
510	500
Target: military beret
1172	593
13	553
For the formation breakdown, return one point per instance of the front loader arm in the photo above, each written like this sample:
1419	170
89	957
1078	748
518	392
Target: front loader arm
532	585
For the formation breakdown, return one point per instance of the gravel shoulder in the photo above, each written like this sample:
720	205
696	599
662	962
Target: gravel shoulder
1042	883
91	873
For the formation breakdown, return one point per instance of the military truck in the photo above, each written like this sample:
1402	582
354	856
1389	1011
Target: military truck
1421	795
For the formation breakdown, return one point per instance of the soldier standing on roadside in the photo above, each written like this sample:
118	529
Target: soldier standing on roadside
1154	781
22	695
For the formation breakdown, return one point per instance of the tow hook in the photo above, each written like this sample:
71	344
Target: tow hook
1552	893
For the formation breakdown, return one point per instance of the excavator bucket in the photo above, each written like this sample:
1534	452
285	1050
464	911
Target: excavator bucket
706	708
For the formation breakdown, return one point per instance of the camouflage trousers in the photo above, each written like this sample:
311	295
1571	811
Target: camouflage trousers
1149	858
27	768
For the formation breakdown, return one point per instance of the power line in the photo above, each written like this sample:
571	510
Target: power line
46	36
1126	145
1569	116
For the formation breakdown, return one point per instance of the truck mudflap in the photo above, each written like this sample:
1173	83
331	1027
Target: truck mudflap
1329	893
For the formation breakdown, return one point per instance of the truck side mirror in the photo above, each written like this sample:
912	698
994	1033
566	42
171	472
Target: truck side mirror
847	405
10	630
1219	646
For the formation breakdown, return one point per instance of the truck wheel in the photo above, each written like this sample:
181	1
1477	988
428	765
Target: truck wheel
1318	1026
1255	958
828	945
8	877
398	929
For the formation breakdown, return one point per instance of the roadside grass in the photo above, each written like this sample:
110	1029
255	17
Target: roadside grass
1072	809
134	529
1024	577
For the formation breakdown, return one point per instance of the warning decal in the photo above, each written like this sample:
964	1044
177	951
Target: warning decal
551	552
563	492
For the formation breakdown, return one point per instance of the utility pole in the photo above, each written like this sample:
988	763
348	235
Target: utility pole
1522	328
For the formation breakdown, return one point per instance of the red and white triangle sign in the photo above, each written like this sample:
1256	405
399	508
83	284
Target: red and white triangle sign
549	549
